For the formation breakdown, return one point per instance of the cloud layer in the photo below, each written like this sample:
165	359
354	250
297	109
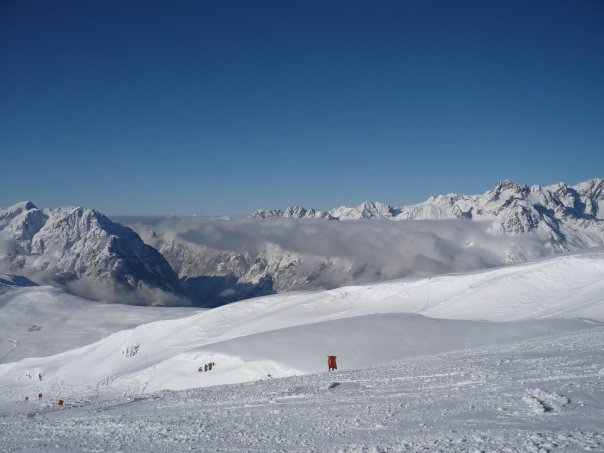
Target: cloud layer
354	252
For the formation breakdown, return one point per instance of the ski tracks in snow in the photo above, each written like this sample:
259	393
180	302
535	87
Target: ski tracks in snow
534	395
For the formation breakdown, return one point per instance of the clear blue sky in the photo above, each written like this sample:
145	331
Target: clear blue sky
227	106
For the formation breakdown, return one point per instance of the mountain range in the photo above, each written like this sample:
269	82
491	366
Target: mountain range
210	262
511	208
300	249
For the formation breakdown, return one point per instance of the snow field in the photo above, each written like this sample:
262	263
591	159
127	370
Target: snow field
44	320
508	359
483	399
292	334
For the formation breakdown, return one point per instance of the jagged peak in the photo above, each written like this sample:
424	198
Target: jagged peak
453	196
27	205
295	209
371	204
74	242
80	211
506	184
17	209
594	185
297	212
481	207
595	181
265	213
20	206
558	185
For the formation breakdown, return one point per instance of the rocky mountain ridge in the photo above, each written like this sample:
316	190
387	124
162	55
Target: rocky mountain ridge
296	250
216	261
557	210
84	251
293	212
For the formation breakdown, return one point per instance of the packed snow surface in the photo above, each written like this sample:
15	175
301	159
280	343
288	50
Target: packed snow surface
242	338
534	395
506	358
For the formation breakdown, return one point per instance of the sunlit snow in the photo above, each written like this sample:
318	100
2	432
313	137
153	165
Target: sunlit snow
504	358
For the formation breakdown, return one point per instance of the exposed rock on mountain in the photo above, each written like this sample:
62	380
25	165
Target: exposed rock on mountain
86	252
293	212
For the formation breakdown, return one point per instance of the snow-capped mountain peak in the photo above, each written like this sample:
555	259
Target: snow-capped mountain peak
73	245
16	209
366	210
292	212
556	210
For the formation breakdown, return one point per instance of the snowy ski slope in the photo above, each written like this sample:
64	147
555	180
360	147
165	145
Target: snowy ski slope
292	334
542	394
505	359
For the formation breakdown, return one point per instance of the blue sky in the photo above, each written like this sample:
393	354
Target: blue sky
227	106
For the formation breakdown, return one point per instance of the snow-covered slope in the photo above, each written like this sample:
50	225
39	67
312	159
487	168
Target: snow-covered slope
513	364
292	334
85	251
542	394
45	320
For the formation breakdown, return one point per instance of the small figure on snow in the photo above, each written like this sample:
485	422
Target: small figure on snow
39	397
331	363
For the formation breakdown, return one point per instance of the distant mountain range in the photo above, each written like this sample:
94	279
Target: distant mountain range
511	208
299	248
212	262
